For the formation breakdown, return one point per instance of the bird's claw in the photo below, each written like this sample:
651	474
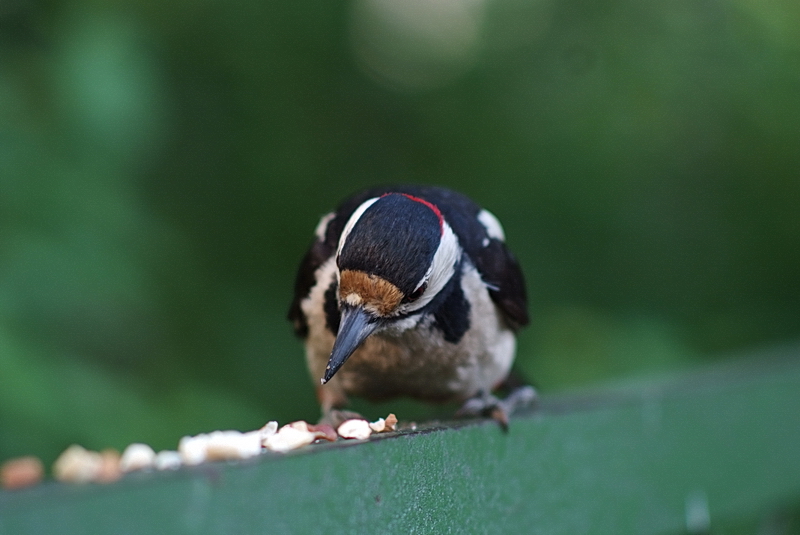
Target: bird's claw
485	404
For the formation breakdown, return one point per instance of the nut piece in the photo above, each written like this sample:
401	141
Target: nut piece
391	423
289	438
378	426
357	429
221	446
21	472
321	431
300	425
268	430
229	445
109	466
77	465
168	460
384	426
324	432
137	457
193	449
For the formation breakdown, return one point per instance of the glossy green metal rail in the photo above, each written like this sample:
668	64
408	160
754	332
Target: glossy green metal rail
656	457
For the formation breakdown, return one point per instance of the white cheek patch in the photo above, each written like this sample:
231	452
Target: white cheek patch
440	272
322	226
493	227
348	228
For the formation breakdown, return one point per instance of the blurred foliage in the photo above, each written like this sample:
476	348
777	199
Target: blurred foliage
163	165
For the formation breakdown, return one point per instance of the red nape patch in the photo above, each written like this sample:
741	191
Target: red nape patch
430	205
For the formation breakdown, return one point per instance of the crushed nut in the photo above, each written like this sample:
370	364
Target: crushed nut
324	432
384	425
355	428
268	430
229	445
193	449
391	423
378	426
168	460
21	472
220	446
300	425
137	456
289	438
77	465
110	466
321	431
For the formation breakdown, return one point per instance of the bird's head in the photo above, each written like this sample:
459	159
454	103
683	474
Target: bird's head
395	254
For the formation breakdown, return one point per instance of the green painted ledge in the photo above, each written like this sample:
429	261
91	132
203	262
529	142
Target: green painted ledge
721	444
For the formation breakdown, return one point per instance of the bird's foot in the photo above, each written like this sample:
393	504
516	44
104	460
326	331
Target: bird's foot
485	404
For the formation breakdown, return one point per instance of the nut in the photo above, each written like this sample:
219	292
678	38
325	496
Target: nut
193	449
110	466
289	438
77	465
384	425
229	445
168	460
324	432
21	472
137	456
391	422
357	429
268	430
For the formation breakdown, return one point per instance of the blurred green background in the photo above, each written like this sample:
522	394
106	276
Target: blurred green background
163	166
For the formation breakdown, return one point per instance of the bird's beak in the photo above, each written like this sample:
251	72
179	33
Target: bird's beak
356	325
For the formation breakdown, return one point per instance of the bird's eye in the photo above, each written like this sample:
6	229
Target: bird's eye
416	294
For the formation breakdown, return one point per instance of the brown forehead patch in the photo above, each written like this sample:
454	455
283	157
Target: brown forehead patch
372	292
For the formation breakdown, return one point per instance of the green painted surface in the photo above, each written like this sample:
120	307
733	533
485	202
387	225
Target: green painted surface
625	460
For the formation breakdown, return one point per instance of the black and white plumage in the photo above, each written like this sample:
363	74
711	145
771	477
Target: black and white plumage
409	291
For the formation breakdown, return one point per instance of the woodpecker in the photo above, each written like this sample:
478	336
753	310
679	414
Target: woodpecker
411	291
